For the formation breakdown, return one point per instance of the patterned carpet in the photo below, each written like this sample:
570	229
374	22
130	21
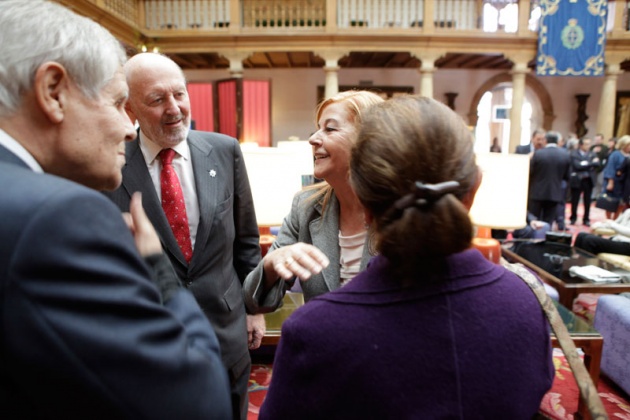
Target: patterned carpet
561	401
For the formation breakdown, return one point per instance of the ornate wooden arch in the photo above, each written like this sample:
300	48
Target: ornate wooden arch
530	81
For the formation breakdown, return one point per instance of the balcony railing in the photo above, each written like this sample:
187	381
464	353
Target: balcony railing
283	14
324	15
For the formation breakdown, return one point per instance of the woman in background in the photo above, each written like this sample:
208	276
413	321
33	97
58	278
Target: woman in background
326	222
430	329
615	174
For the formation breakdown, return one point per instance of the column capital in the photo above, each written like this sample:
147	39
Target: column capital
427	59
236	61
613	69
236	55
520	68
520	60
331	57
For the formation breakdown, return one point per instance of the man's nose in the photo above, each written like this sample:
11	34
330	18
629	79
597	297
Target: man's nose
172	106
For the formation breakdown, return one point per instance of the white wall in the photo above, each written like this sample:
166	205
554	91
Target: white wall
294	93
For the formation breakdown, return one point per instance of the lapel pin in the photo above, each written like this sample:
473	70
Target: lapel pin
213	173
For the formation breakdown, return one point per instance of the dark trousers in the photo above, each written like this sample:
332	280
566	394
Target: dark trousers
596	244
544	210
586	190
239	384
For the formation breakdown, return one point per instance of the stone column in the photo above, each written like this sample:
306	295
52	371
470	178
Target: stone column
606	112
519	71
236	62
426	80
427	68
332	69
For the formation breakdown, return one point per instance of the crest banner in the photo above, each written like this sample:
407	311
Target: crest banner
571	38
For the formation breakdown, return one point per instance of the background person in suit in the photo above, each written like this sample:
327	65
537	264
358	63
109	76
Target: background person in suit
86	334
326	221
536	143
549	167
615	174
221	223
601	149
584	164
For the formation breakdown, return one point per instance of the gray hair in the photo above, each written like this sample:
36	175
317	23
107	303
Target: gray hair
553	137
34	32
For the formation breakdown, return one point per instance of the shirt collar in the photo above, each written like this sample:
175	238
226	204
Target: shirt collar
151	149
17	149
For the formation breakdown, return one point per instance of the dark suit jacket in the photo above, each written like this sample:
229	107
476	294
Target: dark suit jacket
227	244
582	166
524	149
84	334
548	168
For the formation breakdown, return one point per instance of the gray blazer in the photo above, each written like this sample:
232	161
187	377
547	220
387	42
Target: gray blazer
227	223
305	223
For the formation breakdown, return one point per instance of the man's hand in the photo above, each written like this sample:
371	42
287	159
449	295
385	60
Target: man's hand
256	329
146	238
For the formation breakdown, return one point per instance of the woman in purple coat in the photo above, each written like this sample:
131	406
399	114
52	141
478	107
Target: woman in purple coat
431	329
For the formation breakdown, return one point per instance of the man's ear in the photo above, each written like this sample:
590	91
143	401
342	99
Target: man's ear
50	87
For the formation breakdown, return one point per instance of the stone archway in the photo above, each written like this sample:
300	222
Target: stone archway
530	81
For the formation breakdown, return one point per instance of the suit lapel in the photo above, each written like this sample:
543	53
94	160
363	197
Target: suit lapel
136	178
206	175
325	233
7	156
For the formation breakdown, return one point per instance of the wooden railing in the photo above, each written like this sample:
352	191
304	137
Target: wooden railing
283	13
186	14
381	13
127	10
331	15
296	14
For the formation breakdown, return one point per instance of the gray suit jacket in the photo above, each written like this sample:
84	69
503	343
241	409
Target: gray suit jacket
227	244
305	223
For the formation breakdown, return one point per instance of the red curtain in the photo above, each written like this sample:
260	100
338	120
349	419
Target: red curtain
256	115
228	115
200	95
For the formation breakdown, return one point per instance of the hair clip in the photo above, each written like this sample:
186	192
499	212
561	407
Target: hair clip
425	193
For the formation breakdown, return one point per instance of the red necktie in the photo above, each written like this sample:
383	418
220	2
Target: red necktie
173	203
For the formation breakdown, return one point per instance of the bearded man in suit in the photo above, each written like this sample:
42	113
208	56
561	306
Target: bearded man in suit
221	222
536	143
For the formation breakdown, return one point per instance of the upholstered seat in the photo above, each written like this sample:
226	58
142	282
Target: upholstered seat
621	261
612	320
